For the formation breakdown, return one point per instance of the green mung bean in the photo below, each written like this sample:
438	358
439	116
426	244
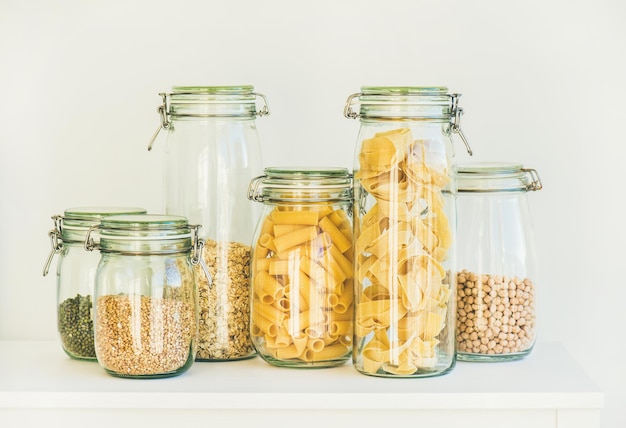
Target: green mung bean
75	322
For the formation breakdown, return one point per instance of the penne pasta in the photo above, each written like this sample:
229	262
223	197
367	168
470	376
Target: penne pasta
339	239
295	217
302	285
293	238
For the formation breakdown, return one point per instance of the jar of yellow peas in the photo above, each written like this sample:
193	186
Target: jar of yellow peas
302	267
404	230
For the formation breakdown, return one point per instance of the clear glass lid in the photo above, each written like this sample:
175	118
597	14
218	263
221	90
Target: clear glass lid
145	222
496	177
302	183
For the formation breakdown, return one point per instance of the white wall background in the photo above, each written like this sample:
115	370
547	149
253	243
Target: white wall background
542	84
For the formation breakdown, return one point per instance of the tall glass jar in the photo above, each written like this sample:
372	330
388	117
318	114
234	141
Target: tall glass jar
302	270
75	275
146	313
404	231
212	153
497	277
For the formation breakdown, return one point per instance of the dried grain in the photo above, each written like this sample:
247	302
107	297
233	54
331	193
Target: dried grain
138	335
224	304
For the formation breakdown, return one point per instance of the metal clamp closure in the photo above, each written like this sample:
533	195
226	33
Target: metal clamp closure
455	115
253	189
457	112
348	113
89	242
535	183
196	256
55	242
164	111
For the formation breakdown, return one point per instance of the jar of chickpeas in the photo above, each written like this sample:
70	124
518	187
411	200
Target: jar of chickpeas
497	277
301	267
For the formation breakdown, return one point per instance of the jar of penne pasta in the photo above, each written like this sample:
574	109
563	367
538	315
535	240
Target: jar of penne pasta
145	301
302	267
212	152
497	277
404	230
75	275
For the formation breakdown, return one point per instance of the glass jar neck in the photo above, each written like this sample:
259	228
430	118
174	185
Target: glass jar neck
200	102
302	185
404	103
145	235
415	104
494	177
76	222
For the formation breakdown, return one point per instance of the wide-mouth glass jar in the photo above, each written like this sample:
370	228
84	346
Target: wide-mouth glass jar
145	317
212	151
404	230
302	267
75	275
497	276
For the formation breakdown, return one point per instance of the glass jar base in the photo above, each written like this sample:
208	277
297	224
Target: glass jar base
225	360
487	358
149	376
299	364
417	375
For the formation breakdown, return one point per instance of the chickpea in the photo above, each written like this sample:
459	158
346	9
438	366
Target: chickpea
495	314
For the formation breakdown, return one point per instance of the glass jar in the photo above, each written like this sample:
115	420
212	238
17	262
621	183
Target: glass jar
302	270
404	230
145	318
496	280
76	272
212	152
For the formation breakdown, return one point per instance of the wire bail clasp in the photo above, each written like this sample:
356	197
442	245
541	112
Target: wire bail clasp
89	244
253	189
197	250
348	112
535	183
164	113
265	110
55	242
456	113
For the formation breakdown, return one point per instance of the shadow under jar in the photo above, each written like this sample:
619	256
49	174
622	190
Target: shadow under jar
497	277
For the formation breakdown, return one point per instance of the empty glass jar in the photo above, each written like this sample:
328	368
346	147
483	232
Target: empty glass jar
404	230
497	275
211	154
145	317
302	270
75	275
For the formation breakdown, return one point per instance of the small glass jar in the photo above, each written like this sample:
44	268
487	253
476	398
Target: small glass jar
211	154
497	275
145	318
75	276
404	230
302	270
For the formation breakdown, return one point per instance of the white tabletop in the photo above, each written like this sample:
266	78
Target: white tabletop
41	375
